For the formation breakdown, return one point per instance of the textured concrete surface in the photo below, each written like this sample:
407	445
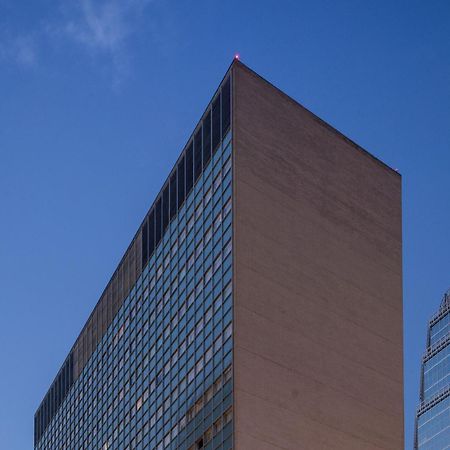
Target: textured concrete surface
318	282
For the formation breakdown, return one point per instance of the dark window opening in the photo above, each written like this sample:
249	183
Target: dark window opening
57	399
158	222
173	195
151	233
197	154
165	208
61	386
181	182
189	168
215	123
144	244
52	400
226	107
71	368
206	139
200	443
66	377
35	428
63	382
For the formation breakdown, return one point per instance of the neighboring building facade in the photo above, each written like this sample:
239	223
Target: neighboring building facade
433	414
259	305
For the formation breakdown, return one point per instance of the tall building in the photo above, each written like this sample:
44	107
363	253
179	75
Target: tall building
433	414
258	306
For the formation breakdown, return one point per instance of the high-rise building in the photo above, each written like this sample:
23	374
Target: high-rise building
433	413
258	306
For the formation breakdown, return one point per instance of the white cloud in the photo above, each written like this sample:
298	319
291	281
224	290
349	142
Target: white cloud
99	26
102	28
21	50
25	51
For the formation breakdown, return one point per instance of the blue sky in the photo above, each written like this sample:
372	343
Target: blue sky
98	97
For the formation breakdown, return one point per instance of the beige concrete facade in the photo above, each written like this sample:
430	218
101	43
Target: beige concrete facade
318	282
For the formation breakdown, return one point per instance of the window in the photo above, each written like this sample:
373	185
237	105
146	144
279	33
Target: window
165	208
228	331
217	221
206	139
226	107
208	196
218	343
208	435
227	249
227	374
198	211
199	249
191	375
199	287
189	168
217	263
208	275
217	425
217	181
208	355
227	289
198	405
199	366
198	154
227	416
227	207
139	404
180	183
173	195
190	223
217	303
208	394
217	385
158	222
199	327
166	260
174	248
216	122
144	244
227	166
208	235
191	337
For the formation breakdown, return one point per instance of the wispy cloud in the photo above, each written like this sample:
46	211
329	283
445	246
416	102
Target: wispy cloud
21	50
25	50
101	28
102	25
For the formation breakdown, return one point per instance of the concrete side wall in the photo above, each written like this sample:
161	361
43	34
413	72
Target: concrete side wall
318	282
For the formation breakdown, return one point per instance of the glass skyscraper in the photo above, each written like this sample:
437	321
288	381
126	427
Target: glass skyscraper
249	309
433	414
